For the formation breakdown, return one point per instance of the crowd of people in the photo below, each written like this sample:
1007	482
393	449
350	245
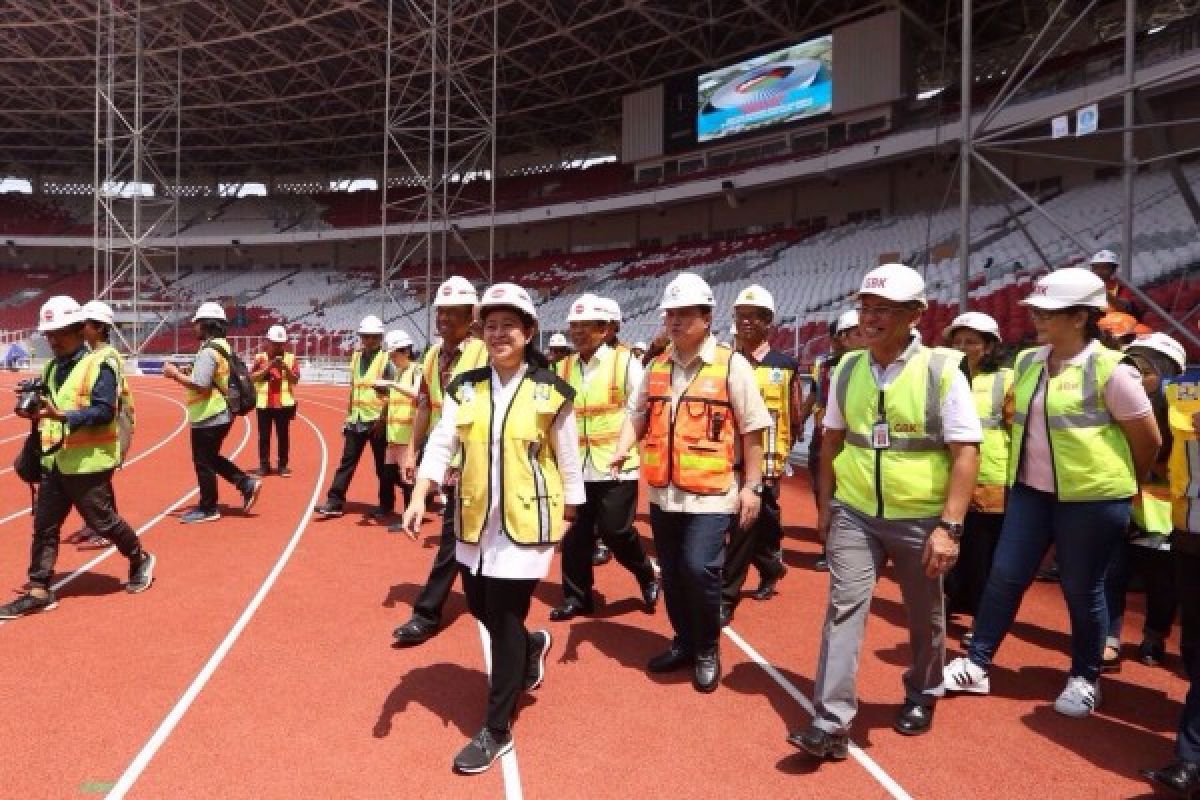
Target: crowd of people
964	465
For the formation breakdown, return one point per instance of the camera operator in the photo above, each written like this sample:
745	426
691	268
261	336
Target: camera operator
78	430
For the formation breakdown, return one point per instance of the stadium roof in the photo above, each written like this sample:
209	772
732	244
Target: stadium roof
296	86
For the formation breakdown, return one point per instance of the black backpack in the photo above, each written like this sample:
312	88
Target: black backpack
241	396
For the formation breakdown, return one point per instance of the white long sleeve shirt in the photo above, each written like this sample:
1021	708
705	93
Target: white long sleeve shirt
496	555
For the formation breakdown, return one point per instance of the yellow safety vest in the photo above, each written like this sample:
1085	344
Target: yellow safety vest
205	403
402	409
1091	456
908	479
531	492
86	450
775	386
366	404
989	390
600	405
262	386
473	355
1183	464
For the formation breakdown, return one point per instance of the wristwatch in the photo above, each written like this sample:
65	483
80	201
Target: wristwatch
955	529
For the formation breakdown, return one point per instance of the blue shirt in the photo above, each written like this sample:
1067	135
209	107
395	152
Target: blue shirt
103	405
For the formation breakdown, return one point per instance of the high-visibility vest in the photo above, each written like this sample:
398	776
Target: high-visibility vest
1183	464
402	409
693	445
1152	510
1092	459
908	479
86	450
600	405
531	499
366	404
989	389
205	403
262	386
473	355
774	378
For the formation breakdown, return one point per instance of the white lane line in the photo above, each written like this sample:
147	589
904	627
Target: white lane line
182	424
508	761
869	764
167	726
20	435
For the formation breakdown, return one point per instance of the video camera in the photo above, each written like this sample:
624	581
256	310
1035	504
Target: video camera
31	394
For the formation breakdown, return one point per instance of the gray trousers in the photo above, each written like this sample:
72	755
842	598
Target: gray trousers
858	548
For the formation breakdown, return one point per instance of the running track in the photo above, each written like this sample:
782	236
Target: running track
259	666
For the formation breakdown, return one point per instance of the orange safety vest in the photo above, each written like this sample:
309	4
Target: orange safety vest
692	445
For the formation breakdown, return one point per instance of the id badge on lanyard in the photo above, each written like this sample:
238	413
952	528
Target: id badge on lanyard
880	437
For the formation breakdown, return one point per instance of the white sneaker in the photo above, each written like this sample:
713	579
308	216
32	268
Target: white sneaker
964	675
1079	699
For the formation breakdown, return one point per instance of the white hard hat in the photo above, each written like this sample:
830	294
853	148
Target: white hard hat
397	340
1064	288
1106	257
96	311
755	295
456	291
611	307
558	340
846	321
640	346
1162	343
59	312
277	334
686	290
588	308
209	310
510	295
371	324
976	321
894	282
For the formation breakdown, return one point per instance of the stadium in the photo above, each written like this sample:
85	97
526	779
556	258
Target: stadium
307	165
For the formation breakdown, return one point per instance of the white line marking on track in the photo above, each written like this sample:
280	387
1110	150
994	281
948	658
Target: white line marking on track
7	439
167	726
869	764
508	761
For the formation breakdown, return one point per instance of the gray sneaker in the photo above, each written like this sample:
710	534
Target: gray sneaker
482	751
28	604
1079	699
141	573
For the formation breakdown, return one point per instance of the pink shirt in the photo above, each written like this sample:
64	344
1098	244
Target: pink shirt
1124	397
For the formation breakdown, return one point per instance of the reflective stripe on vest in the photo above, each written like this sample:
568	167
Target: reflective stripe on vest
1091	457
205	403
1183	463
600	406
532	503
988	390
366	404
692	445
262	387
85	450
775	386
909	479
402	409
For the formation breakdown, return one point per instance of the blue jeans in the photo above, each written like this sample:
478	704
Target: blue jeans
691	553
1084	535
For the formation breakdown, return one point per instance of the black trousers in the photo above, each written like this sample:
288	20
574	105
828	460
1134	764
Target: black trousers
609	513
1187	582
965	581
92	496
501	605
209	463
281	420
353	444
428	607
761	543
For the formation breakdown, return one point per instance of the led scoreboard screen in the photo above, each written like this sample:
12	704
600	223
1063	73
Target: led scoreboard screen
775	88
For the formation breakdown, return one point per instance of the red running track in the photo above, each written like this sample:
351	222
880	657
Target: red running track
259	666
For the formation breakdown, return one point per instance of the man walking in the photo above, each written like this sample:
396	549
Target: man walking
275	373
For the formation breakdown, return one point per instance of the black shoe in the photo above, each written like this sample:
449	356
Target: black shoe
725	615
1181	778
1152	653
482	751
820	744
250	491
329	509
285	471
28	604
535	659
821	564
413	632
141	573
706	672
651	591
674	659
766	588
570	609
601	555
377	514
914	719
